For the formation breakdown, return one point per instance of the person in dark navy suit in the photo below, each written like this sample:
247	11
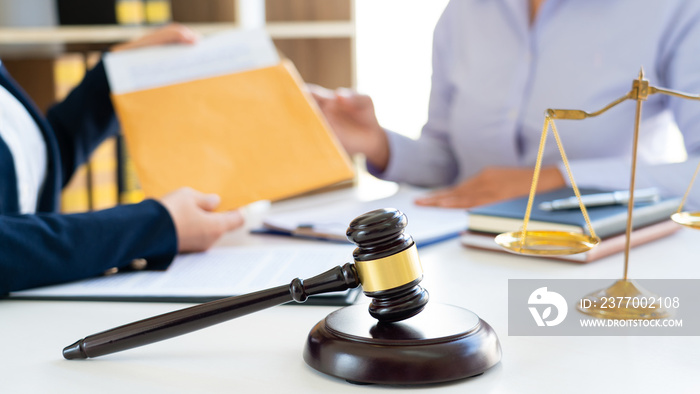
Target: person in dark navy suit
40	246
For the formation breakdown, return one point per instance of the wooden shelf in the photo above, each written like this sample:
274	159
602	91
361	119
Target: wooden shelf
108	34
293	30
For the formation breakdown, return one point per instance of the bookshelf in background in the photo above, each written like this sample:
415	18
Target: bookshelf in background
69	70
204	11
326	60
100	12
107	12
317	35
127	181
102	172
157	12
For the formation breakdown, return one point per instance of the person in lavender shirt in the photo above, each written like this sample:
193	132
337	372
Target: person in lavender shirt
499	64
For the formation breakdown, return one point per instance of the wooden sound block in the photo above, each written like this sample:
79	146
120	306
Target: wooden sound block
440	344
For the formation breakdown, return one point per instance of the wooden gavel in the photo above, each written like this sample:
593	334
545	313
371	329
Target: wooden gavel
386	264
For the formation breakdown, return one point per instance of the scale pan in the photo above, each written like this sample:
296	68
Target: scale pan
545	243
690	219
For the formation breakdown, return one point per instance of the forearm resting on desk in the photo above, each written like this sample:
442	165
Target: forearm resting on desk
494	184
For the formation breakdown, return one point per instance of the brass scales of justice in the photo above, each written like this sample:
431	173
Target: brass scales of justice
551	243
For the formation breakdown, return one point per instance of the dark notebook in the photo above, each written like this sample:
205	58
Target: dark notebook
607	220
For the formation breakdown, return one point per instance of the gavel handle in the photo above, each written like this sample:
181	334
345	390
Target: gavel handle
190	319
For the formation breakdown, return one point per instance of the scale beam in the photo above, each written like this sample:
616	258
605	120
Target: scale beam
556	242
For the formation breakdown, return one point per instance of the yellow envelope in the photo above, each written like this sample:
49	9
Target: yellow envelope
248	136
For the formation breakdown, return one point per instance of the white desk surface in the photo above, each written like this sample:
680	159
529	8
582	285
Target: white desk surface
262	352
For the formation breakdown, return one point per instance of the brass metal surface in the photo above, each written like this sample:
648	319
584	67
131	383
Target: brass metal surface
543	243
688	219
623	289
560	244
390	272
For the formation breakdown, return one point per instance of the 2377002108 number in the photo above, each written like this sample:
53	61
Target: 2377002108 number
639	302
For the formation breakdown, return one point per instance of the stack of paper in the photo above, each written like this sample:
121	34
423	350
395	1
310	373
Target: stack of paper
329	221
217	273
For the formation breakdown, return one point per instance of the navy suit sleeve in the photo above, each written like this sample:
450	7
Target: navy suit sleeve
49	248
83	120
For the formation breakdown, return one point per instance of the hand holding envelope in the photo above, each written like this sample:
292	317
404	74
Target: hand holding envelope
222	116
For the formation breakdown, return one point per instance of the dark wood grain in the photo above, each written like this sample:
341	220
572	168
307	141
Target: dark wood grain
441	344
379	234
184	321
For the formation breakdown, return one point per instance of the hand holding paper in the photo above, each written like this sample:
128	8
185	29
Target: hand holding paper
198	228
222	116
173	33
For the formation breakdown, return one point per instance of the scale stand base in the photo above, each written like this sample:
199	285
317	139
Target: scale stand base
623	301
441	344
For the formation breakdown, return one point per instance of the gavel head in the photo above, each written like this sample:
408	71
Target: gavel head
387	265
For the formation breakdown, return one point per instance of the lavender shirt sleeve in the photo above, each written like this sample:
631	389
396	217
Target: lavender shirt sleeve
428	161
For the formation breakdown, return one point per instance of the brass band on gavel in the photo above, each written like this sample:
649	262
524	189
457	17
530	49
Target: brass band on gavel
391	271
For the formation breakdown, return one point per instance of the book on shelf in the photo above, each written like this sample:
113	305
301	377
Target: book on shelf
75	196
101	12
157	12
68	71
103	175
127	181
606	247
94	185
607	221
225	116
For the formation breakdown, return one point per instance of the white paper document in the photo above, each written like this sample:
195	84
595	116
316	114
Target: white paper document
218	54
217	273
330	221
